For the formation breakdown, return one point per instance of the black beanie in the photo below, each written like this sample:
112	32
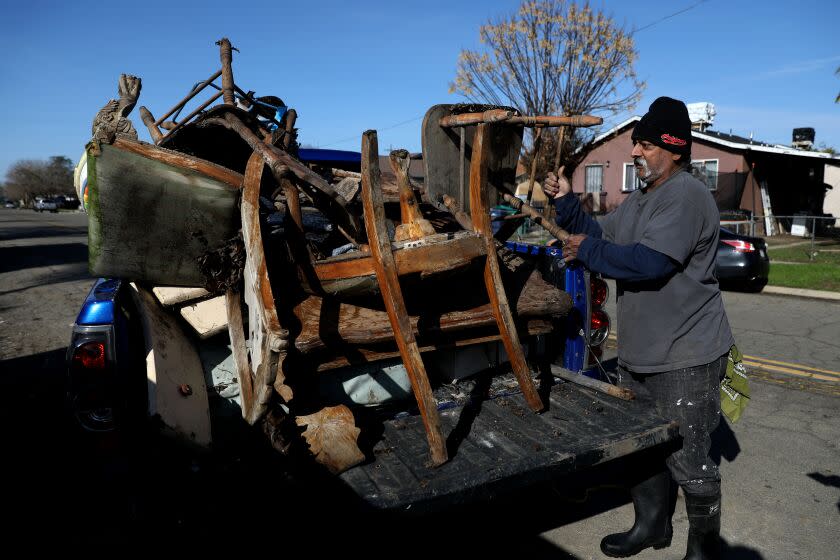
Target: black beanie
667	125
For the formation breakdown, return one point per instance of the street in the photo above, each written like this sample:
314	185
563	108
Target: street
780	463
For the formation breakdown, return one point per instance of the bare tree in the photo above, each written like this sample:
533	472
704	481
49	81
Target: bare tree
553	57
837	73
27	179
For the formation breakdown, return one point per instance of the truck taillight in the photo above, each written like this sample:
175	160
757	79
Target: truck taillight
599	327
598	290
90	356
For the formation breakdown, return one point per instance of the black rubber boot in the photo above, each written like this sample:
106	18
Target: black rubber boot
703	527
652	527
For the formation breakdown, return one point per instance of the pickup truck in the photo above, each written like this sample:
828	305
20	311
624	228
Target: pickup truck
496	444
119	381
364	325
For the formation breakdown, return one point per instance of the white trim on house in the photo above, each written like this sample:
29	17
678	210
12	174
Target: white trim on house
715	140
600	177
624	188
614	129
716	171
758	148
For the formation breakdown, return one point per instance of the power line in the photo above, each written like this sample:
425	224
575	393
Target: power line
668	17
335	142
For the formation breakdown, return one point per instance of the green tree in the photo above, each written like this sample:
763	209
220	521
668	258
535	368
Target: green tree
553	57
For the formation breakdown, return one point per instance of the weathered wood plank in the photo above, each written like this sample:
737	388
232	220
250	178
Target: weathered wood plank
269	339
386	272
354	324
443	155
236	331
533	328
437	256
505	117
492	276
182	161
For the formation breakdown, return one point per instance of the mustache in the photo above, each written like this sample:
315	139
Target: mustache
640	161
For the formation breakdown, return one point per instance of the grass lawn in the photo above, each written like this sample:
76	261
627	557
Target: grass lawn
800	254
813	276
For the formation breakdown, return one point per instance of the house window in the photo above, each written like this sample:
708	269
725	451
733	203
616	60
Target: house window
594	178
707	171
631	180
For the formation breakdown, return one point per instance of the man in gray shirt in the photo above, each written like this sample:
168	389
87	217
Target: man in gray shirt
660	246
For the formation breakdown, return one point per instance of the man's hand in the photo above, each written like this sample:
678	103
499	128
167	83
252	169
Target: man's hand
558	185
571	246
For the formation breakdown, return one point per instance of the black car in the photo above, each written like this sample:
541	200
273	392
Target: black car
742	262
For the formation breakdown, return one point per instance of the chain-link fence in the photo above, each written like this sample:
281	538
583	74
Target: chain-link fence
814	233
799	225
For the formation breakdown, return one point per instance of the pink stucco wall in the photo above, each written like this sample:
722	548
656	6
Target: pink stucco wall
613	153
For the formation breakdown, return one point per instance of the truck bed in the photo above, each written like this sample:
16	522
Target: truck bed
497	445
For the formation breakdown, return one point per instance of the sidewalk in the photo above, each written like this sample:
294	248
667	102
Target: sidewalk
799	292
820	243
772	290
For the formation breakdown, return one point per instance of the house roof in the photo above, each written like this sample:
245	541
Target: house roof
722	139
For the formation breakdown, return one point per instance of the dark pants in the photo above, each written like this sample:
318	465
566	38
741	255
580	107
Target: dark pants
691	396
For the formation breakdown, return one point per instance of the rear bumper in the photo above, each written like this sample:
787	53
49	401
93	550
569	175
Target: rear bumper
742	267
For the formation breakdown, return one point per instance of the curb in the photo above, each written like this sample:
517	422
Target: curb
800	292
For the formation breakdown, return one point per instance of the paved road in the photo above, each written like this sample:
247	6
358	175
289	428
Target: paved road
780	463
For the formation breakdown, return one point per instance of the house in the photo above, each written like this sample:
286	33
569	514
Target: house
748	178
831	205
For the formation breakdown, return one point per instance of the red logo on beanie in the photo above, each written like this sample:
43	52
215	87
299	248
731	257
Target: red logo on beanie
673	140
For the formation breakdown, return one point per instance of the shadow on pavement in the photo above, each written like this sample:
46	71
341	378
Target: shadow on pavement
724	443
826	479
832	480
40	232
78	271
18	258
737	552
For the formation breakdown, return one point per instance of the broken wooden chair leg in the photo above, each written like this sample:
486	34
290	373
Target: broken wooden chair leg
226	56
240	352
149	121
413	225
386	273
492	275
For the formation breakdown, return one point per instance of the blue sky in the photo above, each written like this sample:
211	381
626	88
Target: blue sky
768	66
